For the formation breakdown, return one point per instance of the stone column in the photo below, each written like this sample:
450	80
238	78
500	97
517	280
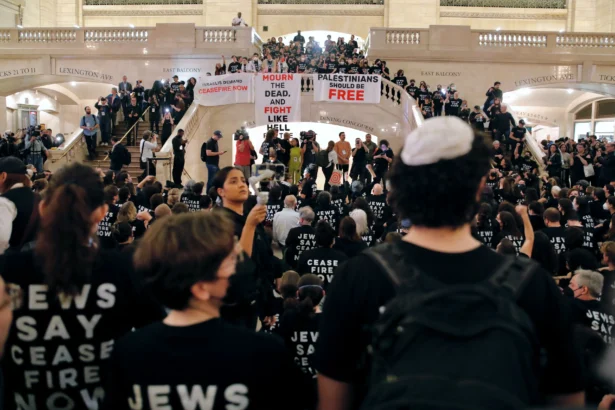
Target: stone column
3	113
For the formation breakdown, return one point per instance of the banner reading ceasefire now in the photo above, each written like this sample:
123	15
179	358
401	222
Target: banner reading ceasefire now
225	89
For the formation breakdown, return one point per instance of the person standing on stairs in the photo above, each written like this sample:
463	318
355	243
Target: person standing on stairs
89	125
167	127
149	145
134	112
115	102
179	151
125	90
104	119
118	155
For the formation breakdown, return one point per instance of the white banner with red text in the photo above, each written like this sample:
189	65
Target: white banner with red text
277	98
347	88
225	89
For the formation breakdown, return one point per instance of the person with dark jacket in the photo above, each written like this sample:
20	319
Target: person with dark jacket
104	120
119	156
607	174
349	242
179	152
18	206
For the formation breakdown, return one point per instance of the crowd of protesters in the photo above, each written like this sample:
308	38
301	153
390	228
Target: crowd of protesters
453	274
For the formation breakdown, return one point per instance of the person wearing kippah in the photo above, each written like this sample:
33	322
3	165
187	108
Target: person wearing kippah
430	300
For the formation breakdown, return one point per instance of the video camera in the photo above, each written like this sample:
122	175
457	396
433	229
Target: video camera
241	132
307	135
34	131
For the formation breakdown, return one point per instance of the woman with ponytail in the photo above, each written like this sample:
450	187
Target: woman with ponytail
300	323
72	300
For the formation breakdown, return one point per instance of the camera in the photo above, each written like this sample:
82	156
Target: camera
307	135
241	132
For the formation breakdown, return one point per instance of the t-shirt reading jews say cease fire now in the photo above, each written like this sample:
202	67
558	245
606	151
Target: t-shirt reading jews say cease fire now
299	239
557	236
192	201
209	365
103	232
321	262
300	335
377	204
58	343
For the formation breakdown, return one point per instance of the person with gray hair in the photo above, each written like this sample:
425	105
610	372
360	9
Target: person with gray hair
285	220
301	238
584	291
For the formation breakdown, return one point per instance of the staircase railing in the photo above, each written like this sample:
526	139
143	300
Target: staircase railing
69	145
189	123
128	132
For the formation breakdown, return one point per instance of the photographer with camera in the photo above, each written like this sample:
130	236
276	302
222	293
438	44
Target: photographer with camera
243	157
35	149
309	149
104	120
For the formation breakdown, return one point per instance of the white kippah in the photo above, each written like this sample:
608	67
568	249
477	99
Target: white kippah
437	139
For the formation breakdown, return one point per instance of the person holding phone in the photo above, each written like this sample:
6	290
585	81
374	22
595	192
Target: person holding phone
167	126
382	158
210	154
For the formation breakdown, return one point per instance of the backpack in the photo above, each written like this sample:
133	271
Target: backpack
127	157
204	152
463	346
322	158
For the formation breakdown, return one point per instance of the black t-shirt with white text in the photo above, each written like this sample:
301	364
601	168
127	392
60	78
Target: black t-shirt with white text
273	207
234	67
321	262
377	203
103	231
58	343
328	213
192	200
299	239
211	365
557	236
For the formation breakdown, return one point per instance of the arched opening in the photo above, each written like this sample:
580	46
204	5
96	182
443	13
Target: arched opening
58	106
324	133
549	112
596	118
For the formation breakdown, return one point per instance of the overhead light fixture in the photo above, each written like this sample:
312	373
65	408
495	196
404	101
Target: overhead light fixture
570	91
76	26
19	26
145	51
498	29
131	25
73	83
562	30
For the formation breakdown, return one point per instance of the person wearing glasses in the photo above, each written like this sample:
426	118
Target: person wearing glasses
188	261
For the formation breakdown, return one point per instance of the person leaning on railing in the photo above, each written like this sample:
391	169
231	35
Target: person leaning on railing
147	147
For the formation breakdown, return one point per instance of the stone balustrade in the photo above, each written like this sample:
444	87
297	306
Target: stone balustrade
405	42
132	40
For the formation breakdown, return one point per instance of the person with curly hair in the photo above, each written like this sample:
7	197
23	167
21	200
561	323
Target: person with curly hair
436	182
